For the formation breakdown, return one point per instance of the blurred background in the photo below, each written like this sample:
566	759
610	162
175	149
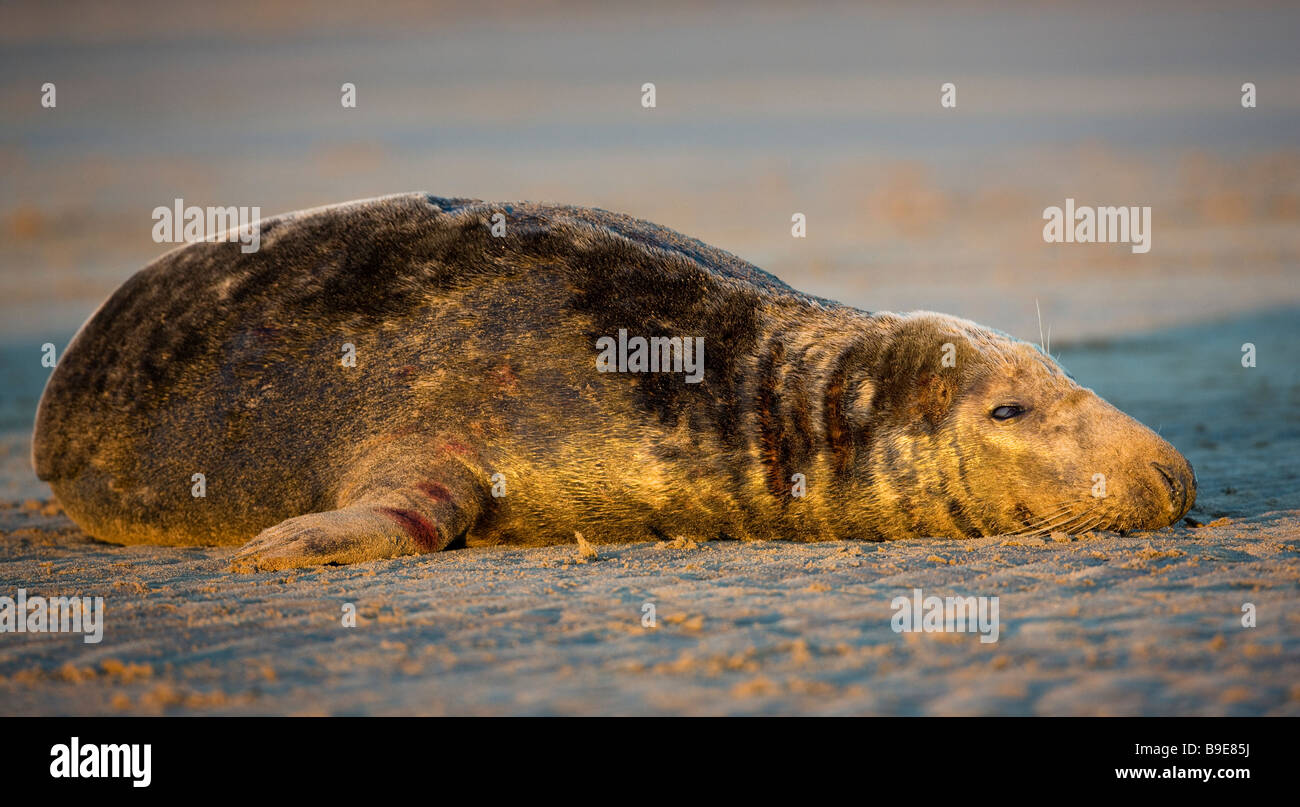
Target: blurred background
763	110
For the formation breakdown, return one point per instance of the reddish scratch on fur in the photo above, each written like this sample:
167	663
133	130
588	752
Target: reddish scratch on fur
417	526
434	490
453	447
505	377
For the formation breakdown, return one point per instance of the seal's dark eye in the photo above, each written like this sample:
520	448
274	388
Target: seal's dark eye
1007	412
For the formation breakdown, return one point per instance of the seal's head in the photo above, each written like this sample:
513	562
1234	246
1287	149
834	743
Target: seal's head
1001	440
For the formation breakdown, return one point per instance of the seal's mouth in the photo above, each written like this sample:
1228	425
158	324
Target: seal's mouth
1158	495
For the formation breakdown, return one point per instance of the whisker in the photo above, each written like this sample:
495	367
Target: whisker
1041	523
1041	341
1064	525
1096	522
1072	526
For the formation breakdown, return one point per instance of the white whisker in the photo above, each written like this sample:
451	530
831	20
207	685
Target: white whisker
1041	341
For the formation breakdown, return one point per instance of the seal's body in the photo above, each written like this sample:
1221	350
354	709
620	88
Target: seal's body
392	376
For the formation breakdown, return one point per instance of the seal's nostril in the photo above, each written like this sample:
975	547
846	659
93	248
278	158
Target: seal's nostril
1170	481
1177	489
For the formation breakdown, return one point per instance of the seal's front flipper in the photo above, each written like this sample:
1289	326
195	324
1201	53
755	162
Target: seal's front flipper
381	522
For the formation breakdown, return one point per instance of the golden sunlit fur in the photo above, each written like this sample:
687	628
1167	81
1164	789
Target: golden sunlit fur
475	413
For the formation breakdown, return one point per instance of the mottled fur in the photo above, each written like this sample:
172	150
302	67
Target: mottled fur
476	356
